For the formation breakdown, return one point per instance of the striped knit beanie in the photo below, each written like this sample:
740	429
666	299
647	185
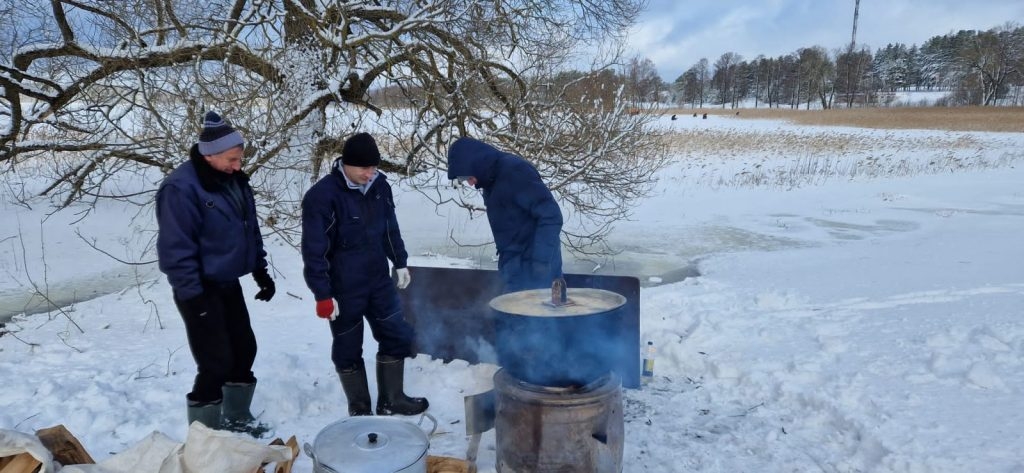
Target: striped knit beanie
217	136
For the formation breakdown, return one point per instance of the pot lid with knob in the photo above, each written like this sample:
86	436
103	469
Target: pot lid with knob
546	303
370	444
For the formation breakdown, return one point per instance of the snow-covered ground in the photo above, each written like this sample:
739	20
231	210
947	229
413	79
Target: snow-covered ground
851	324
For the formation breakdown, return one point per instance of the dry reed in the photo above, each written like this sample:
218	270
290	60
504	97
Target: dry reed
725	143
791	156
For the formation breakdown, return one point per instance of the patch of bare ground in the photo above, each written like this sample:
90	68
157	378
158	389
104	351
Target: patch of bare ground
999	119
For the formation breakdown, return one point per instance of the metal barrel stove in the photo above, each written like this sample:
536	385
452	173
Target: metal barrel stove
558	402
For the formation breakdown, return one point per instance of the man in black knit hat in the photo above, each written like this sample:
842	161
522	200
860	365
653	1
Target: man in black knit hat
208	238
349	233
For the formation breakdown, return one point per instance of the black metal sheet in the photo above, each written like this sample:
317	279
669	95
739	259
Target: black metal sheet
449	309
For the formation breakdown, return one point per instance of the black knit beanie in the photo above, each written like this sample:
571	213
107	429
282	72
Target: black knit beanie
217	136
360	150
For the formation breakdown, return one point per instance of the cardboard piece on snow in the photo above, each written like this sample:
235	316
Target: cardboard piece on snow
20	463
14	443
286	466
66	449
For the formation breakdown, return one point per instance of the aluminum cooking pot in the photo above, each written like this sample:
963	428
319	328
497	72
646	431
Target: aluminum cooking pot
370	444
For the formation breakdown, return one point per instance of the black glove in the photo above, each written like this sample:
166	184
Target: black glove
266	284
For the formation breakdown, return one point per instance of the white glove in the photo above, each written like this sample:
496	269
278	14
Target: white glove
403	278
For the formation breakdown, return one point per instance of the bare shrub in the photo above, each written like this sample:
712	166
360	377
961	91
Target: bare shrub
111	88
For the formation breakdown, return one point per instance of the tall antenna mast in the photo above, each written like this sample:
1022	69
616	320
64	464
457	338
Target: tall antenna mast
853	36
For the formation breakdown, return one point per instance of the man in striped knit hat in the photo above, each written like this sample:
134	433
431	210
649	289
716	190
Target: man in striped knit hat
209	238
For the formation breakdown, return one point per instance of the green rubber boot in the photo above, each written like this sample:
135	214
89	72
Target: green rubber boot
236	415
207	413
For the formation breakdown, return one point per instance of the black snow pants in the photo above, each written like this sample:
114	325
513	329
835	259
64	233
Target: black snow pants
220	337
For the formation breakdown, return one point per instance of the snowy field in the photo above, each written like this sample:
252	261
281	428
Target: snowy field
863	322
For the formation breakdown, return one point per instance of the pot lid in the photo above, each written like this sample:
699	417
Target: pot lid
370	444
537	302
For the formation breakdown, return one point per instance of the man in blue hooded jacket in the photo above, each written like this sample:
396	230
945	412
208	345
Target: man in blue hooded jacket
349	233
208	238
525	220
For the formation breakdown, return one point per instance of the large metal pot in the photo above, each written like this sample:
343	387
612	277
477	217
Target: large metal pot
548	342
370	444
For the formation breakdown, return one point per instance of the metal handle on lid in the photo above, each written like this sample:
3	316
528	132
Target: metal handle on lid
559	293
432	419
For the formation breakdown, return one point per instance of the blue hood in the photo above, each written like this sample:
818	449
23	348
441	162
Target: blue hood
471	157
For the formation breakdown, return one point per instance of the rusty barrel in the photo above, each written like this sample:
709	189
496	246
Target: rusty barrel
540	429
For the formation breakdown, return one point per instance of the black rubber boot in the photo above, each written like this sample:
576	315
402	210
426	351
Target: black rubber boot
236	415
207	413
353	381
391	398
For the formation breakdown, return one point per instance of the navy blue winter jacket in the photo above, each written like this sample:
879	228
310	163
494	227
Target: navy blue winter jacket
203	233
525	220
348	237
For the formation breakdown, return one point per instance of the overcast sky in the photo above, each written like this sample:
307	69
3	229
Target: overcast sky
676	34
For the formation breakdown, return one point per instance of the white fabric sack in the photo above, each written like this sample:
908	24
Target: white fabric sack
145	456
204	451
13	442
216	451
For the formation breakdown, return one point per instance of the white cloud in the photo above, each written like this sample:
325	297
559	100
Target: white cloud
675	35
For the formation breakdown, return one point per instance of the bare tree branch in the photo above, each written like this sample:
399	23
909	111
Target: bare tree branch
119	87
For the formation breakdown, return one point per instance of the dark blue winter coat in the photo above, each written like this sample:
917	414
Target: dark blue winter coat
204	234
525	220
348	238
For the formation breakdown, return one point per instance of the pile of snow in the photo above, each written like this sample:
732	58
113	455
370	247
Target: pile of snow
855	325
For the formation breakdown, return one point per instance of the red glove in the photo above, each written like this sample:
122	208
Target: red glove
327	309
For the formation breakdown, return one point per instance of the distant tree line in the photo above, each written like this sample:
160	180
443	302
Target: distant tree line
976	67
636	83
